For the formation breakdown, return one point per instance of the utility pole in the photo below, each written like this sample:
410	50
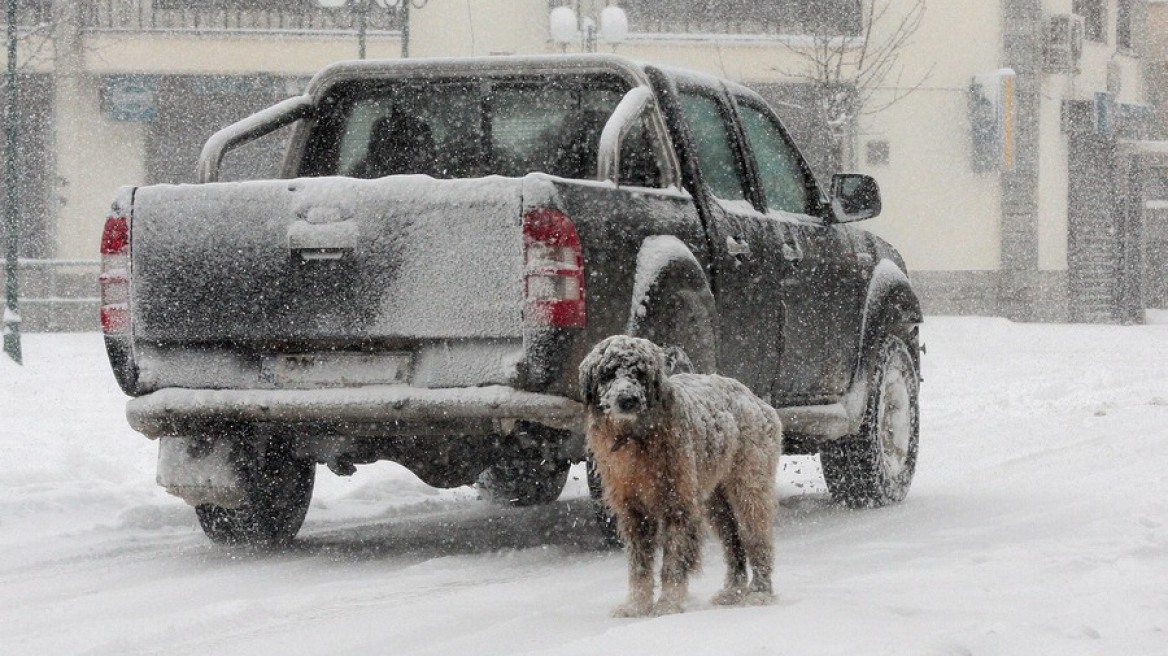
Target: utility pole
11	315
362	26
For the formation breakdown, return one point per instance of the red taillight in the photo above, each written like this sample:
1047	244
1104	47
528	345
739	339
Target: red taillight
554	270
115	275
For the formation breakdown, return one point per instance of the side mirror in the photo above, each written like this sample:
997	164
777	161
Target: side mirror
854	197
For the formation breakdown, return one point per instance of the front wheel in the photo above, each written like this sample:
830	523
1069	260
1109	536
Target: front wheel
278	489
875	468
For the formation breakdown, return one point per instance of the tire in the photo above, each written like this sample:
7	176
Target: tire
279	489
523	482
527	475
875	468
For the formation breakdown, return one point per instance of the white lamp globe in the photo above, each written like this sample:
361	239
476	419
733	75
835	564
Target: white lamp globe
614	25
564	27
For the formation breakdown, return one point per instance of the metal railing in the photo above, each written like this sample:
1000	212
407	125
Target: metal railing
30	13
44	279
58	295
231	16
742	17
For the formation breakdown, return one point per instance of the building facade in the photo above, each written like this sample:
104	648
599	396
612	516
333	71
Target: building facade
1004	151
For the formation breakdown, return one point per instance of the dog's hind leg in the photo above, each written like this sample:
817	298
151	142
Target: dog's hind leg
754	506
639	532
681	556
721	517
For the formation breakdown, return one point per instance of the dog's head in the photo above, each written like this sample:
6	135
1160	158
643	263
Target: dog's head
624	378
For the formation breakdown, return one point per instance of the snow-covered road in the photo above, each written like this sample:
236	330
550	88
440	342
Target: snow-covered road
1038	524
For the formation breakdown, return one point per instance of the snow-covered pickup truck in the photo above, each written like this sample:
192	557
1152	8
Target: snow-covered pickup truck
446	242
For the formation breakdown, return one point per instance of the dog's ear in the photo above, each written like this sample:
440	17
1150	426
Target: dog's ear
676	361
587	373
657	378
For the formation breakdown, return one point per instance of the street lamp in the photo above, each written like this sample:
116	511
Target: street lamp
405	23
567	28
362	7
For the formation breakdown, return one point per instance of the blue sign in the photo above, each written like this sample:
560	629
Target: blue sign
131	98
1104	114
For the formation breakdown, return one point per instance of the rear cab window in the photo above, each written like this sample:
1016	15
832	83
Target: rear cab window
464	128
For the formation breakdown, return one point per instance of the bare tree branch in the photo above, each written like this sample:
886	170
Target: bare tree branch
35	41
850	72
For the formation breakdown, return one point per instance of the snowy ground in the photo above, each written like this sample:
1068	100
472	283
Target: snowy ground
1038	524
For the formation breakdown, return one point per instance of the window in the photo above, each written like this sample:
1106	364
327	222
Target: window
432	131
715	151
1094	13
233	4
1123	25
471	128
878	153
780	168
827	17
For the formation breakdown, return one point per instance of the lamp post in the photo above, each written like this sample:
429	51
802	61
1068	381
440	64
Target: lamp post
11	314
566	27
362	8
405	23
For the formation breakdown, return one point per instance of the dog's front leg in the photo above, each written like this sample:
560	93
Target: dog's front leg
640	535
681	555
726	526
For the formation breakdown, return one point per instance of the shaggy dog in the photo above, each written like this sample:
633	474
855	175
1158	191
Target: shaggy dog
670	450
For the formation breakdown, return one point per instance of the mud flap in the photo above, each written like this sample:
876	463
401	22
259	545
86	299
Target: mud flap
200	474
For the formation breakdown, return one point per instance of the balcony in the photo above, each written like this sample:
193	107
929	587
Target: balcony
299	16
742	17
29	13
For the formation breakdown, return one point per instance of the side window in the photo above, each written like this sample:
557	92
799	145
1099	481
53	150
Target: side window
781	175
714	149
1094	13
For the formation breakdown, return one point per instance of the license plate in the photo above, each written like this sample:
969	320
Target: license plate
336	369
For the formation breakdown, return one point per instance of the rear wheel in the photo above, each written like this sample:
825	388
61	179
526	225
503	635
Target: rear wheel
531	473
875	467
278	491
605	518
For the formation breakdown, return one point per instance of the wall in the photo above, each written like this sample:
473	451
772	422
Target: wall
942	214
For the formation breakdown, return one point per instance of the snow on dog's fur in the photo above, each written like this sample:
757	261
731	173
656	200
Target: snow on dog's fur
670	450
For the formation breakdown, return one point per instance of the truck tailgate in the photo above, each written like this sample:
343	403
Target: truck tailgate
328	260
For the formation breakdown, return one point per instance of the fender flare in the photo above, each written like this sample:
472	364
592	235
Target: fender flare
667	267
890	301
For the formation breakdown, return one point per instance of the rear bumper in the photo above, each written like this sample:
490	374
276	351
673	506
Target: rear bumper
371	410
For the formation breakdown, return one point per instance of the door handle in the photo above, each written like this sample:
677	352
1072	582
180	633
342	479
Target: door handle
325	241
737	248
792	252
